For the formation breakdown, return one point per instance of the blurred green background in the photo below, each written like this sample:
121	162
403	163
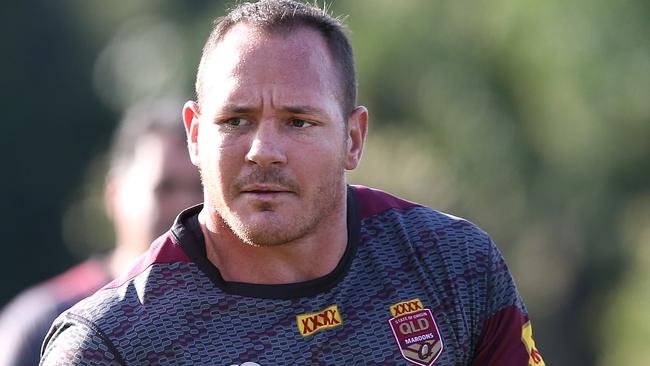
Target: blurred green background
529	118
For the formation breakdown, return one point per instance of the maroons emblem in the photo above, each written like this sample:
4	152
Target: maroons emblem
416	332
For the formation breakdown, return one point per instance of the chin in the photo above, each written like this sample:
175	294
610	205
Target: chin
265	233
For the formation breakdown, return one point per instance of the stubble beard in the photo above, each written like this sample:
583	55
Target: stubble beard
276	229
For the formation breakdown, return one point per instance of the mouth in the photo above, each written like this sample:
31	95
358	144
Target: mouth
265	190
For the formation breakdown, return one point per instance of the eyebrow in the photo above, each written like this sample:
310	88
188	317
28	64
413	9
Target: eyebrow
295	109
237	109
303	109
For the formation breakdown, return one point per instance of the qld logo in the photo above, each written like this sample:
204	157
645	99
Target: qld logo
416	332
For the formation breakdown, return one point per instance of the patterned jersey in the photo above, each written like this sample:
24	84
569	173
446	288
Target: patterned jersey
414	287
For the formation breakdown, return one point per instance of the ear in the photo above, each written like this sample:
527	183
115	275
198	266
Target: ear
356	130
191	115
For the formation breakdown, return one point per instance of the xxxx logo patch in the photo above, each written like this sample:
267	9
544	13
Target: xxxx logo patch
309	324
416	332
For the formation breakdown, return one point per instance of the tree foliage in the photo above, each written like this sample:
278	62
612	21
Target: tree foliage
530	118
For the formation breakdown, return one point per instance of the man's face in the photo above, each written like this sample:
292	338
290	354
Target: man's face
270	139
159	182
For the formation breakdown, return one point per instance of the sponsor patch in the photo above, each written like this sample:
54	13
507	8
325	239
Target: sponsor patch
534	357
416	332
309	324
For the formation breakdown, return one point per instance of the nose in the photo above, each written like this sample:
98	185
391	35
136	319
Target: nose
267	146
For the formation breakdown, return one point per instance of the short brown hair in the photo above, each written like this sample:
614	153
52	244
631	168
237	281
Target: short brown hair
284	16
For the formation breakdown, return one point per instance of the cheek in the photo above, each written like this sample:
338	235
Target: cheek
322	161
336	149
220	164
216	146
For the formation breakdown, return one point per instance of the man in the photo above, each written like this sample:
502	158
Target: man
284	264
149	181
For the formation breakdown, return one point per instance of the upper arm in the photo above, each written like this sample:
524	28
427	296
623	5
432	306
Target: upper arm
506	335
75	341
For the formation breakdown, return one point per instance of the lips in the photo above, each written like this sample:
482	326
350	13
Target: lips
264	189
266	182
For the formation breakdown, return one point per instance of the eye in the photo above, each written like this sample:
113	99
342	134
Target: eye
235	122
300	123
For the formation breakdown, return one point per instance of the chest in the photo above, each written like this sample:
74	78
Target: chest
370	318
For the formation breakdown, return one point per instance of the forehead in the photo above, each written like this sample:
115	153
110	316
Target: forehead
297	62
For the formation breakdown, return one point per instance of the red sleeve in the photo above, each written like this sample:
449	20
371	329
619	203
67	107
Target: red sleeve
507	341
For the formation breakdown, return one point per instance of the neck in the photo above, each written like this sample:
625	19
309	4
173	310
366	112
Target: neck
311	256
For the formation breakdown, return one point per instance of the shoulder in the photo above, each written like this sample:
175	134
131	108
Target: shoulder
137	286
131	306
379	210
74	340
450	249
371	201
